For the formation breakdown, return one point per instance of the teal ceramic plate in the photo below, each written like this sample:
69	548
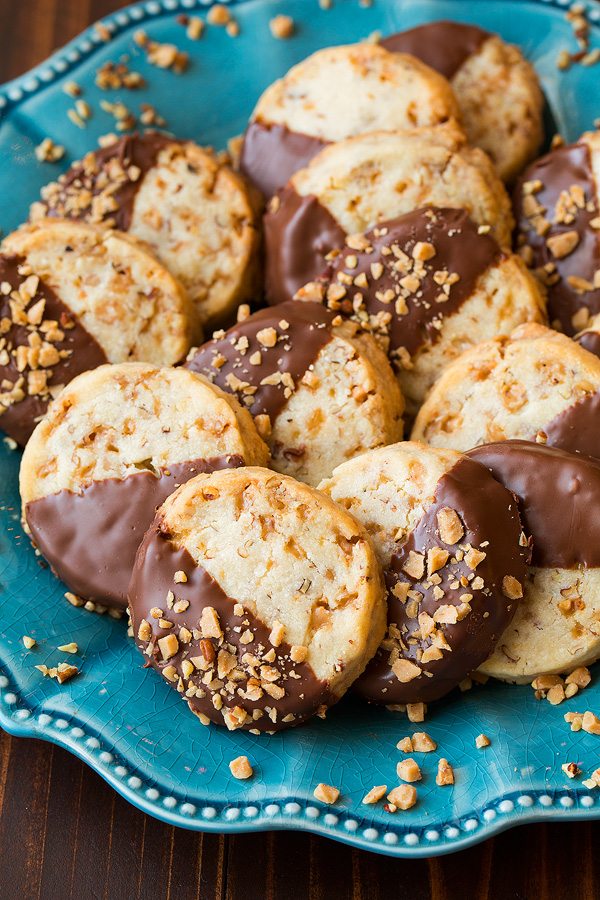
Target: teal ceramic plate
128	724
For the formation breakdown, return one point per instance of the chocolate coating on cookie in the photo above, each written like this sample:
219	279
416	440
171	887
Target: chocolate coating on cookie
452	589
444	45
299	233
410	273
559	496
577	428
103	186
271	153
90	538
42	347
219	654
590	340
557	217
262	359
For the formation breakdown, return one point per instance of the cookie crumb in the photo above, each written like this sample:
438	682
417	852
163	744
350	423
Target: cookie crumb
240	768
445	773
481	741
69	648
406	745
326	793
28	642
282	27
375	794
402	797
590	723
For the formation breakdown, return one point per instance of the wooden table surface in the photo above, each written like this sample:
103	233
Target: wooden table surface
65	834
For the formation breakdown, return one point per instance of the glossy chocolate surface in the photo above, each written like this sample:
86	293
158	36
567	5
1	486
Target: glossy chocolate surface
252	684
492	526
90	539
77	349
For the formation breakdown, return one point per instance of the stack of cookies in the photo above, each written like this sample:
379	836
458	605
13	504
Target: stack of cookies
383	478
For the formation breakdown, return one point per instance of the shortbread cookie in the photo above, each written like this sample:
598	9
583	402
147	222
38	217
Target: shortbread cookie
321	390
590	336
558	229
455	558
196	214
336	93
357	183
498	91
537	385
257	598
74	296
557	624
112	447
428	285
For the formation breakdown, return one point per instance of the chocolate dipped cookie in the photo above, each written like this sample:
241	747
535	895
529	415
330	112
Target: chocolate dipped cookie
558	229
114	444
352	186
428	284
536	385
497	90
198	216
320	389
451	543
257	598
74	296
336	93
556	627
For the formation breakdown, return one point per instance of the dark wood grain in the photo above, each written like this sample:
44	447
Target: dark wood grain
65	835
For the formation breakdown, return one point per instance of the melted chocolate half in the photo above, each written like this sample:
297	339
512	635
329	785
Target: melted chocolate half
444	46
492	525
577	428
299	233
231	361
557	173
559	499
90	539
272	153
80	352
411	316
590	340
125	162
299	693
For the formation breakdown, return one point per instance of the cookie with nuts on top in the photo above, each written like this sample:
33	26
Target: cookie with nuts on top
198	216
497	90
557	207
557	623
334	94
353	185
320	389
113	445
257	598
428	284
536	385
450	540
74	296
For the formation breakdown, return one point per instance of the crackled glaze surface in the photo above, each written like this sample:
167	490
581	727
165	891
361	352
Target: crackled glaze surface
127	724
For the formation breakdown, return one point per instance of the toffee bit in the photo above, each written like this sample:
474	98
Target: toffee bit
326	793
408	770
48	151
28	642
481	741
73	599
402	797
445	773
69	648
282	27
240	768
375	794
